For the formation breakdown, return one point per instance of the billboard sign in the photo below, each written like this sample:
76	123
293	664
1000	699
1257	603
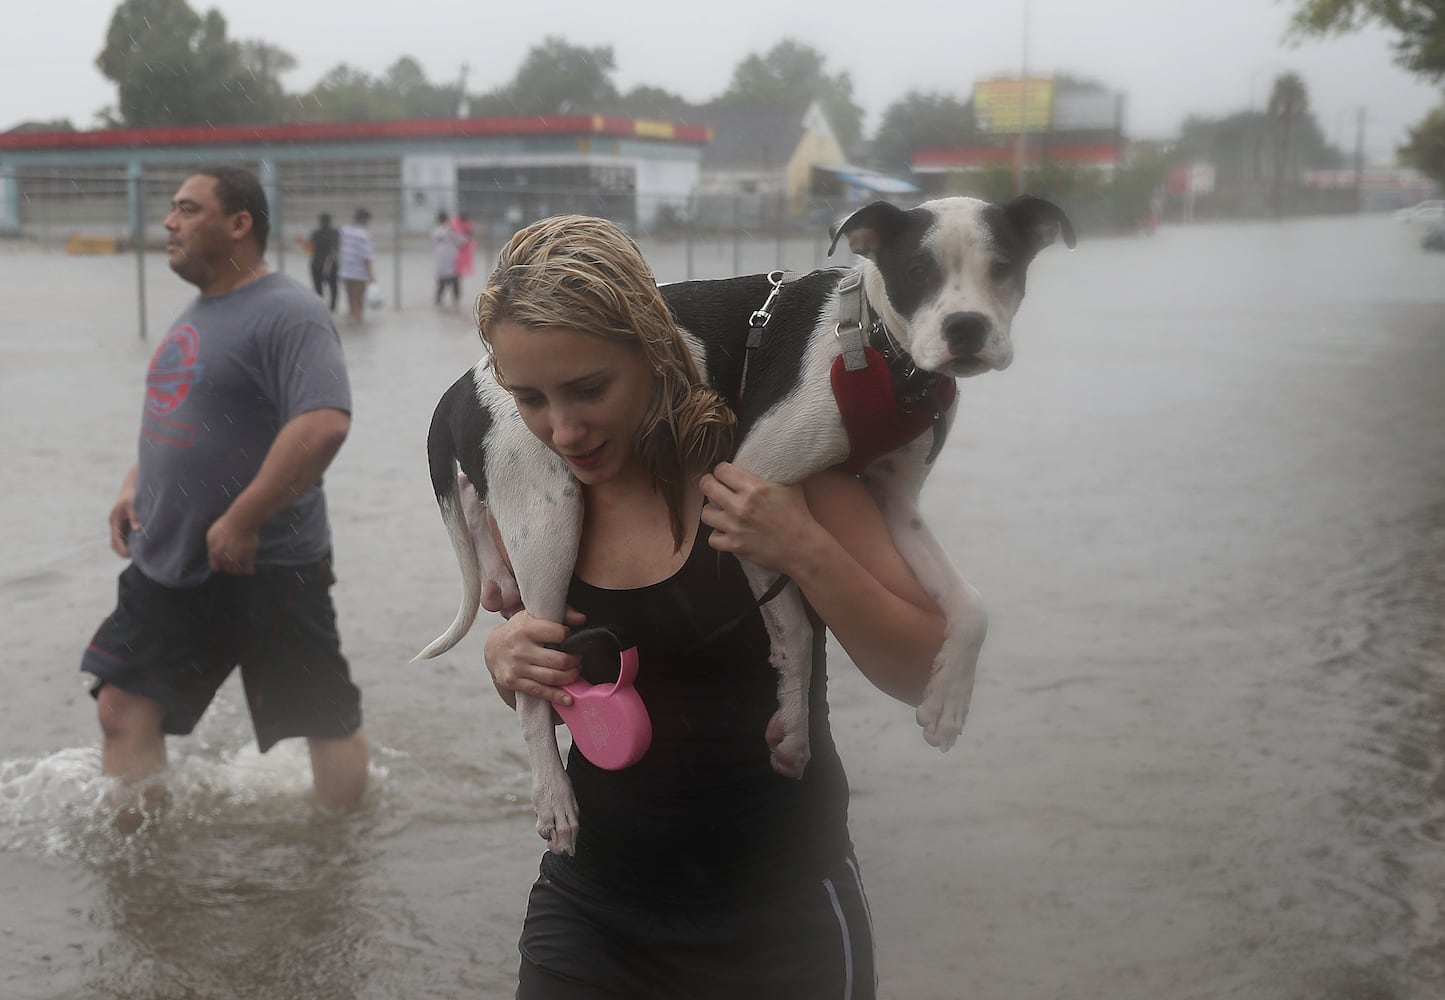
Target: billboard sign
1087	110
1010	105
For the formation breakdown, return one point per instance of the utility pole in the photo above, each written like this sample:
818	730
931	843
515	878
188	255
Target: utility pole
464	108
1360	160
1022	163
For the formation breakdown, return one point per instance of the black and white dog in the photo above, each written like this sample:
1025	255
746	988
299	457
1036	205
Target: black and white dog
933	301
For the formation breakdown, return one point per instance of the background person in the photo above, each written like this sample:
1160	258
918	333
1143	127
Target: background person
699	872
446	243
356	253
223	516
466	245
324	244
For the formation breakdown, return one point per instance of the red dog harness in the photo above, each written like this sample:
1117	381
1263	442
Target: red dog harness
882	415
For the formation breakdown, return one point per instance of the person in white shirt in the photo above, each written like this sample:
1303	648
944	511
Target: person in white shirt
445	242
355	255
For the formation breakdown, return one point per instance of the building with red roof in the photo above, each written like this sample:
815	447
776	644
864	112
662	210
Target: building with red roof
506	171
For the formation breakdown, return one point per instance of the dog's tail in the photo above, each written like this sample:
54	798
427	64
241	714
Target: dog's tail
441	451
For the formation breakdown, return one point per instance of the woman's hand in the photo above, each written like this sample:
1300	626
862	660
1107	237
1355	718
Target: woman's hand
763	522
519	659
831	539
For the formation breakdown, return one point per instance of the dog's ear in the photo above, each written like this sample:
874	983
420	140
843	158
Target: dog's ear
1039	222
869	228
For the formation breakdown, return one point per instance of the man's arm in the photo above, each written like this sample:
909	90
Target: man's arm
122	515
297	458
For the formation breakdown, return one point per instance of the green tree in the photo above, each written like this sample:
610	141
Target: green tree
262	65
347	94
656	101
1288	106
790	70
920	121
1426	149
557	78
1420	25
405	77
173	66
418	97
1131	193
1245	149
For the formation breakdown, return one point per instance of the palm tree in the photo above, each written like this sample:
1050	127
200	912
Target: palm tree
1289	104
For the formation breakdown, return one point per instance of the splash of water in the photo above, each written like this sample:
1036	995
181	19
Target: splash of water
61	805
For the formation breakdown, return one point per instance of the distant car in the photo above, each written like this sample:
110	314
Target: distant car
1434	238
1426	211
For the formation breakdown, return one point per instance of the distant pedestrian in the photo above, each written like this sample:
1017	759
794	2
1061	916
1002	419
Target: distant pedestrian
468	243
356	252
325	240
445	240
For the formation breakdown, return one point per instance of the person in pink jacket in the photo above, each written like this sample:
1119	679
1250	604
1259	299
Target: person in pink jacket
466	243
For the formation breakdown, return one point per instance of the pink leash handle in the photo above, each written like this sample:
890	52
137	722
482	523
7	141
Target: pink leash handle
609	723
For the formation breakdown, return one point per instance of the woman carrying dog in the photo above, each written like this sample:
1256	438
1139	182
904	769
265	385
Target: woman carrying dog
699	872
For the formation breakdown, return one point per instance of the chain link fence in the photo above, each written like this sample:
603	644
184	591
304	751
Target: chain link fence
101	209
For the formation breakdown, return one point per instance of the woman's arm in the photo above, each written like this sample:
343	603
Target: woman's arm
517	652
829	536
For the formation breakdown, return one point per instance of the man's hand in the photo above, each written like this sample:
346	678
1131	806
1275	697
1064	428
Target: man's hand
122	516
231	545
293	464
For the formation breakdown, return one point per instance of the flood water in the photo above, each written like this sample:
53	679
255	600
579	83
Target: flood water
1206	756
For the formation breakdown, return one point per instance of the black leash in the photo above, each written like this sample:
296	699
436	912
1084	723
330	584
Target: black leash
756	322
616	640
728	626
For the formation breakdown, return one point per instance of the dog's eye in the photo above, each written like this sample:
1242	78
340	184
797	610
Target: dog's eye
919	273
999	270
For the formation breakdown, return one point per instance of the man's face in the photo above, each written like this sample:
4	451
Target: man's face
201	236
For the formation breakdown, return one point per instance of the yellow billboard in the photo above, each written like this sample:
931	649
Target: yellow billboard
1011	104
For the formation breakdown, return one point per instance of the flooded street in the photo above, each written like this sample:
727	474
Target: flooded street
1206	754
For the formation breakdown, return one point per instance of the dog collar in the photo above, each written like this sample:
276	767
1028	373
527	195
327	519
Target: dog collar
911	385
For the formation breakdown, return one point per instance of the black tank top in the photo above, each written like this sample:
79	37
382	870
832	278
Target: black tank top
702	817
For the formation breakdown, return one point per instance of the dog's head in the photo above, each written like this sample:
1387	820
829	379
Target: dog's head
952	272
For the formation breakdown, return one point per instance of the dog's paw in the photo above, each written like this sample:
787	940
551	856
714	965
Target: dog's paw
944	709
791	751
557	824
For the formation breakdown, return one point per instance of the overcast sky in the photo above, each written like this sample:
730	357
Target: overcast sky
1172	57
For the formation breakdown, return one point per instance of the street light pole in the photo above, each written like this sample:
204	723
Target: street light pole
1249	138
1022	163
1360	160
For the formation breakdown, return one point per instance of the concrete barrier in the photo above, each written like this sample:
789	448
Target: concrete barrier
80	244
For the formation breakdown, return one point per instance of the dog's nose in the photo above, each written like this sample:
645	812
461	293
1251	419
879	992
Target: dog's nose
965	333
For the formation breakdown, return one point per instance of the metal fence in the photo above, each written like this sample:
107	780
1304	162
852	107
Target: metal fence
685	237
55	203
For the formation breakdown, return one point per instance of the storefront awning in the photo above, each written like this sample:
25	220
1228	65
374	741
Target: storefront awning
869	180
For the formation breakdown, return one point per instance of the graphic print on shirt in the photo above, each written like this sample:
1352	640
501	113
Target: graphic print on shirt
174	369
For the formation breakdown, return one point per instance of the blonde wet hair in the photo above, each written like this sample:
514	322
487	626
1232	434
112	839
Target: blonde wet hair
582	273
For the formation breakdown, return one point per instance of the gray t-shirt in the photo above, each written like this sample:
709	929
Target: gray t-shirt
233	370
